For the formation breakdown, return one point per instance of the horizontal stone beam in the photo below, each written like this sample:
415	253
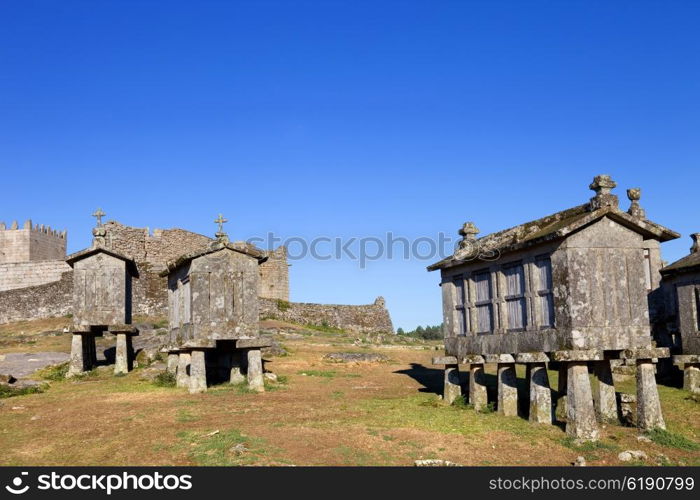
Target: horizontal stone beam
686	358
531	357
646	353
255	342
499	358
579	355
128	329
472	359
444	360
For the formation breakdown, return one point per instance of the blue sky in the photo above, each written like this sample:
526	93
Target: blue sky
346	119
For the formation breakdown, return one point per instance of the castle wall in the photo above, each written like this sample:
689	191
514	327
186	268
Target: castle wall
274	275
44	301
370	318
31	243
26	274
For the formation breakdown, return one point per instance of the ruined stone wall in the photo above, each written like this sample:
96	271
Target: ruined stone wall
27	274
371	318
31	243
274	275
44	301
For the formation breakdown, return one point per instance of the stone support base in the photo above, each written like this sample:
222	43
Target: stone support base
580	414
255	371
540	394
198	372
182	378
507	390
649	414
478	397
604	392
452	389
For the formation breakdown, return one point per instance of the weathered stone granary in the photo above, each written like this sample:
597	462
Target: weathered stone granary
681	283
213	313
572	288
101	303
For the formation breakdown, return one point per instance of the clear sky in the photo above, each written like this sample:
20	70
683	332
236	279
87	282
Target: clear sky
346	119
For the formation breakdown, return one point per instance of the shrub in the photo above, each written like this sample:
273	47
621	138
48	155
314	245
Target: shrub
165	379
55	373
283	305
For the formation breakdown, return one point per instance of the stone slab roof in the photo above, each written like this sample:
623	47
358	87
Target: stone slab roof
551	228
236	246
82	254
686	264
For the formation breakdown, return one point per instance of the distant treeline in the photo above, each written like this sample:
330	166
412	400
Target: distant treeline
424	332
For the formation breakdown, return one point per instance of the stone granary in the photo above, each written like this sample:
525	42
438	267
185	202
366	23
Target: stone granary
213	313
570	288
681	282
101	303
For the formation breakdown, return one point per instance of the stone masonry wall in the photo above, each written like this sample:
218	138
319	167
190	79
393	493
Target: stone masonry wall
43	301
274	275
371	318
28	274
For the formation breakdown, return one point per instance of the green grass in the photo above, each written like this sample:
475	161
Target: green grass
8	392
224	448
328	374
54	373
184	416
672	440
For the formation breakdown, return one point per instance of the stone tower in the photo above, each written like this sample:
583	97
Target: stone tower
31	243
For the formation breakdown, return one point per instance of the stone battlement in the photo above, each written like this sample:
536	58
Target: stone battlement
31	243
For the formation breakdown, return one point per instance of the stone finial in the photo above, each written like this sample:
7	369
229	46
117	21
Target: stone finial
2	226
221	236
99	232
602	185
379	301
14	225
468	232
634	195
28	224
696	243
98	215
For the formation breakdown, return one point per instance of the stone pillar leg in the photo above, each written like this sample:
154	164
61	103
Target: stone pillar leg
691	377
121	357
77	356
182	378
540	394
452	389
648	405
562	388
507	390
198	372
236	375
478	397
255	371
604	393
580	414
173	360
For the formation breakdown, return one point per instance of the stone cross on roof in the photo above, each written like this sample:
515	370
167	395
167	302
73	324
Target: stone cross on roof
98	215
602	185
221	236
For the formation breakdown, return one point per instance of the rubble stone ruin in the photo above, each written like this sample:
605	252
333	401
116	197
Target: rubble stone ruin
102	303
570	290
681	280
213	314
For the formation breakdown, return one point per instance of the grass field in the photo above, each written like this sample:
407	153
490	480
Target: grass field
320	413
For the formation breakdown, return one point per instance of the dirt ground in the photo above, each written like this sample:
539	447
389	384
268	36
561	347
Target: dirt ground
319	413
